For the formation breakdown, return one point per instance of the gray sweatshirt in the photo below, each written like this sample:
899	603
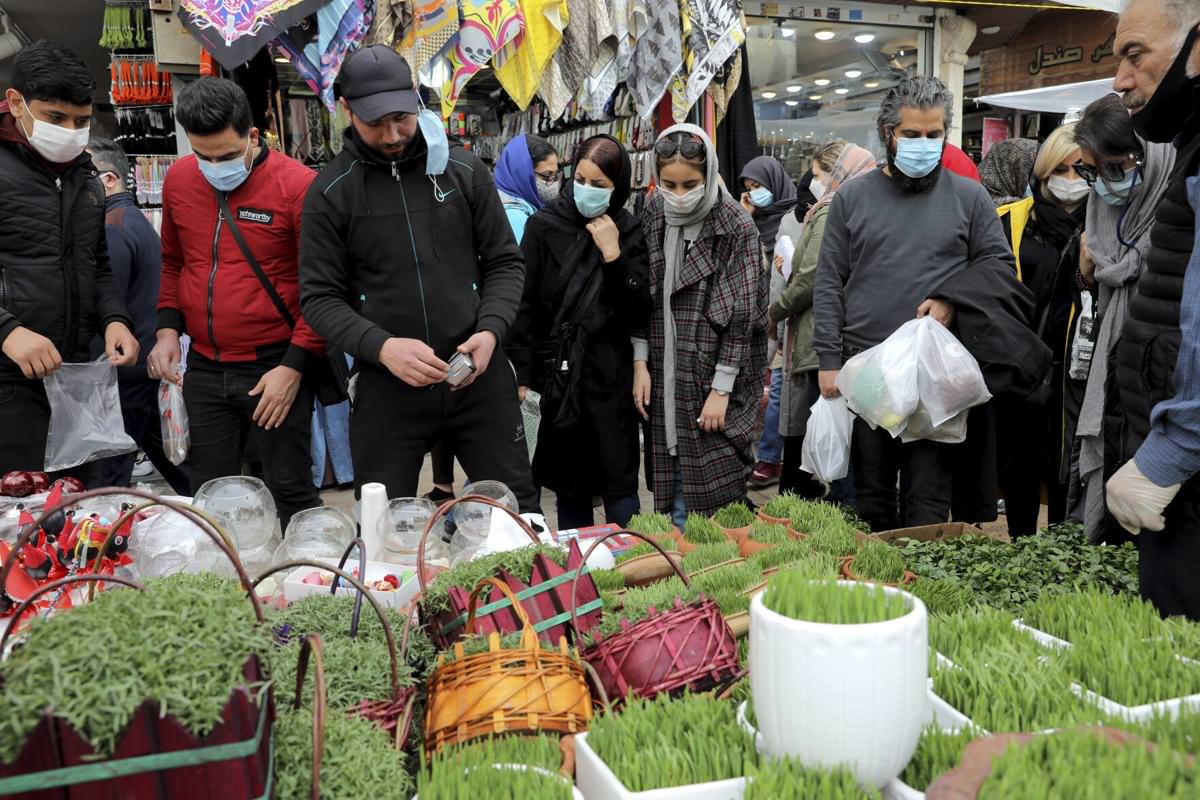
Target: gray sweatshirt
885	251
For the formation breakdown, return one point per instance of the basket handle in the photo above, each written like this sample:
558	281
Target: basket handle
50	587
599	541
313	646
362	592
362	574
211	528
445	508
526	625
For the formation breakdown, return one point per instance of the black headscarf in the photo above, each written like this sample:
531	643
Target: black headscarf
564	204
805	199
767	171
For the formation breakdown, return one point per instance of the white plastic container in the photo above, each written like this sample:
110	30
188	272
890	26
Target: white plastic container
597	782
575	793
830	695
294	587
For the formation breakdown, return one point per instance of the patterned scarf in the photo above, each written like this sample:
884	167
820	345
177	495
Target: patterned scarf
434	24
341	27
1006	169
488	27
713	30
658	54
519	69
854	162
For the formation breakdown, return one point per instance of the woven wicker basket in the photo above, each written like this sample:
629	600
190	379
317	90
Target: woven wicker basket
505	690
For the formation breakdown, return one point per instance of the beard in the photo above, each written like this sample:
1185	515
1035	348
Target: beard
907	183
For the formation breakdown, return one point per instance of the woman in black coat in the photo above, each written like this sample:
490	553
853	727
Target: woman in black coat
586	291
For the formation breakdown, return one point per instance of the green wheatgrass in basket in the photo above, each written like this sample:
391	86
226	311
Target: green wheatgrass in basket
781	506
768	533
789	551
653	525
646	549
358	760
938	751
608	580
828	532
707	555
478	643
466	771
181	643
638	601
813	565
799	597
1080	765
734	515
877	561
702	530
787	777
1129	671
960	635
665	742
1091	612
813	516
466	575
1179	733
727	586
946	596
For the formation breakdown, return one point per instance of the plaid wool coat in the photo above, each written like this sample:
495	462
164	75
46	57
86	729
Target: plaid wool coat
720	309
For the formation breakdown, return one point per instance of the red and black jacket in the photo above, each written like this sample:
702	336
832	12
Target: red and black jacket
208	289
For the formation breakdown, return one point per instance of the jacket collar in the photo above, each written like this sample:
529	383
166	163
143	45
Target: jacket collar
119	200
414	155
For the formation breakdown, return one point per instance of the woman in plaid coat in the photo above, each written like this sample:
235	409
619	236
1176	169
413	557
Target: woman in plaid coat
698	371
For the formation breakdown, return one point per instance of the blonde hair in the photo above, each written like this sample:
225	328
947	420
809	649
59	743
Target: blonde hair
1057	147
827	155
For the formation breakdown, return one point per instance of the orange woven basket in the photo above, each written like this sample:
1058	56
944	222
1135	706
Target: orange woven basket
505	690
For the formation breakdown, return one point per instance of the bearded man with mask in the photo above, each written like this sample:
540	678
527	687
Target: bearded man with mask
408	263
892	238
56	288
1157	493
230	280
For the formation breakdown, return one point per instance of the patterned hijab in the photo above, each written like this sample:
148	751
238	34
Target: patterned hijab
854	162
1006	169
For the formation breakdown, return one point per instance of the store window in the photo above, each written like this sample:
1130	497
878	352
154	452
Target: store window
815	81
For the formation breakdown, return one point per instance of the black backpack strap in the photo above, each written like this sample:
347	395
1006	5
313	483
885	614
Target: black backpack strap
269	287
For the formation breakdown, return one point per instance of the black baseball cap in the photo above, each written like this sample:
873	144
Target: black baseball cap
377	81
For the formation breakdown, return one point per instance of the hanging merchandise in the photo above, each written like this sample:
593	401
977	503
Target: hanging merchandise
588	43
145	129
234	31
148	175
434	24
125	24
716	31
488	27
392	18
136	80
724	83
521	71
341	26
626	30
658	55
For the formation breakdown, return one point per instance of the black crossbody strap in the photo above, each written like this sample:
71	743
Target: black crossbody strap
272	292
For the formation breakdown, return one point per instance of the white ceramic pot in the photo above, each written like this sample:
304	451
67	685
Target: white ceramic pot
841	694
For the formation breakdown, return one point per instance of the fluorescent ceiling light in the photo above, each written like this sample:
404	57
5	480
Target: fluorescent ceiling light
854	73
768	95
821	81
871	84
842	90
789	33
815	96
824	34
865	38
794	88
990	30
791	102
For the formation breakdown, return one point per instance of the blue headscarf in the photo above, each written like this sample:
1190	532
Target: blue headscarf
514	172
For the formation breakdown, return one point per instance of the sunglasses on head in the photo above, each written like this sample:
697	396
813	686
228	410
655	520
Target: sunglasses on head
1111	171
692	149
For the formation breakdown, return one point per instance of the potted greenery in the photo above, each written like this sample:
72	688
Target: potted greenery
731	587
778	510
938	751
944	596
788	777
772	559
645	563
498	768
710	556
877	562
735	519
836	537
764	535
699	530
838	673
656	526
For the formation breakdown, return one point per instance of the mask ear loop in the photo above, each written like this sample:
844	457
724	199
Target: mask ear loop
438	194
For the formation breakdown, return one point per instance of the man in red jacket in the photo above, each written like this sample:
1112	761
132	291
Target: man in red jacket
230	235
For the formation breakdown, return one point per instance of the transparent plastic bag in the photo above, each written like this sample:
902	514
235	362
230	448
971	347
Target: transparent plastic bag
85	416
948	377
880	384
920	426
173	416
826	449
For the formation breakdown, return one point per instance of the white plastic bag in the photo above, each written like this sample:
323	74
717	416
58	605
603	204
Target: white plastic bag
920	426
826	449
948	376
880	384
85	416
173	417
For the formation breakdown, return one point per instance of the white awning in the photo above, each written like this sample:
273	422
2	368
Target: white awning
1103	5
1069	98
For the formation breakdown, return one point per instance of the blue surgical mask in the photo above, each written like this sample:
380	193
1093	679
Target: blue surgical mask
916	158
762	197
225	176
591	201
436	143
1118	193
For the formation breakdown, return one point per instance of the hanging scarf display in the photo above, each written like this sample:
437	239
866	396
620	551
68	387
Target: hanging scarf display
717	30
434	24
588	44
658	53
519	69
392	17
488	26
678	88
234	31
341	27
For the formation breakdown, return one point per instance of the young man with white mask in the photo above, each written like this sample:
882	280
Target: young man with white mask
56	290
230	280
892	238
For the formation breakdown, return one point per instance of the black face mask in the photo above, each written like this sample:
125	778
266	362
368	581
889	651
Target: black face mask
1168	111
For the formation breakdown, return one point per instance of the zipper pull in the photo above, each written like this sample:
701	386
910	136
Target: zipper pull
396	171
58	184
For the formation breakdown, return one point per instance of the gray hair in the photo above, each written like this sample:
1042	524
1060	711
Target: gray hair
108	156
917	92
1184	13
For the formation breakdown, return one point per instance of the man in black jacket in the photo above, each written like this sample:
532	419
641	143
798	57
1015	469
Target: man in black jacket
407	257
56	290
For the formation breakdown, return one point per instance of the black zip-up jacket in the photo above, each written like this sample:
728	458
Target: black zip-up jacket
54	272
384	253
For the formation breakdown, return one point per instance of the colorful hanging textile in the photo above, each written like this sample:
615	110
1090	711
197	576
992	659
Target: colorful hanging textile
341	27
392	18
519	69
588	44
488	26
658	53
724	84
717	30
434	24
235	31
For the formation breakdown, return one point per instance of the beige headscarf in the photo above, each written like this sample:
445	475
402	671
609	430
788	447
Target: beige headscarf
854	162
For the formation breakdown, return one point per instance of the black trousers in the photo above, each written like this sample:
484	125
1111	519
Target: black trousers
393	425
220	412
24	422
1169	561
925	472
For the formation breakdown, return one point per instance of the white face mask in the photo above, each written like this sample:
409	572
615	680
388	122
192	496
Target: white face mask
1067	191
816	188
54	143
683	204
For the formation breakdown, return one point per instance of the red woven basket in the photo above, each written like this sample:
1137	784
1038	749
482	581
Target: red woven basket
687	647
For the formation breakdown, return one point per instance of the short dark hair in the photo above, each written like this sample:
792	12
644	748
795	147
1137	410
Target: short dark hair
210	105
1106	131
604	153
50	71
539	148
108	156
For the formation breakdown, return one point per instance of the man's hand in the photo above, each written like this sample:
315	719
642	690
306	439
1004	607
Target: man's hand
606	236
1136	501
712	416
480	346
276	391
641	388
120	345
163	361
413	362
827	378
940	310
33	353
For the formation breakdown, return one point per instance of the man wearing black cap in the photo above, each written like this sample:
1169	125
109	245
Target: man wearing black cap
407	259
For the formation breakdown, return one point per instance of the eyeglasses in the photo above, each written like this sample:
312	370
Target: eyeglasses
548	177
692	149
1111	171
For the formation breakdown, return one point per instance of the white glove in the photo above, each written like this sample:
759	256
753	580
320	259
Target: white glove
1136	501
